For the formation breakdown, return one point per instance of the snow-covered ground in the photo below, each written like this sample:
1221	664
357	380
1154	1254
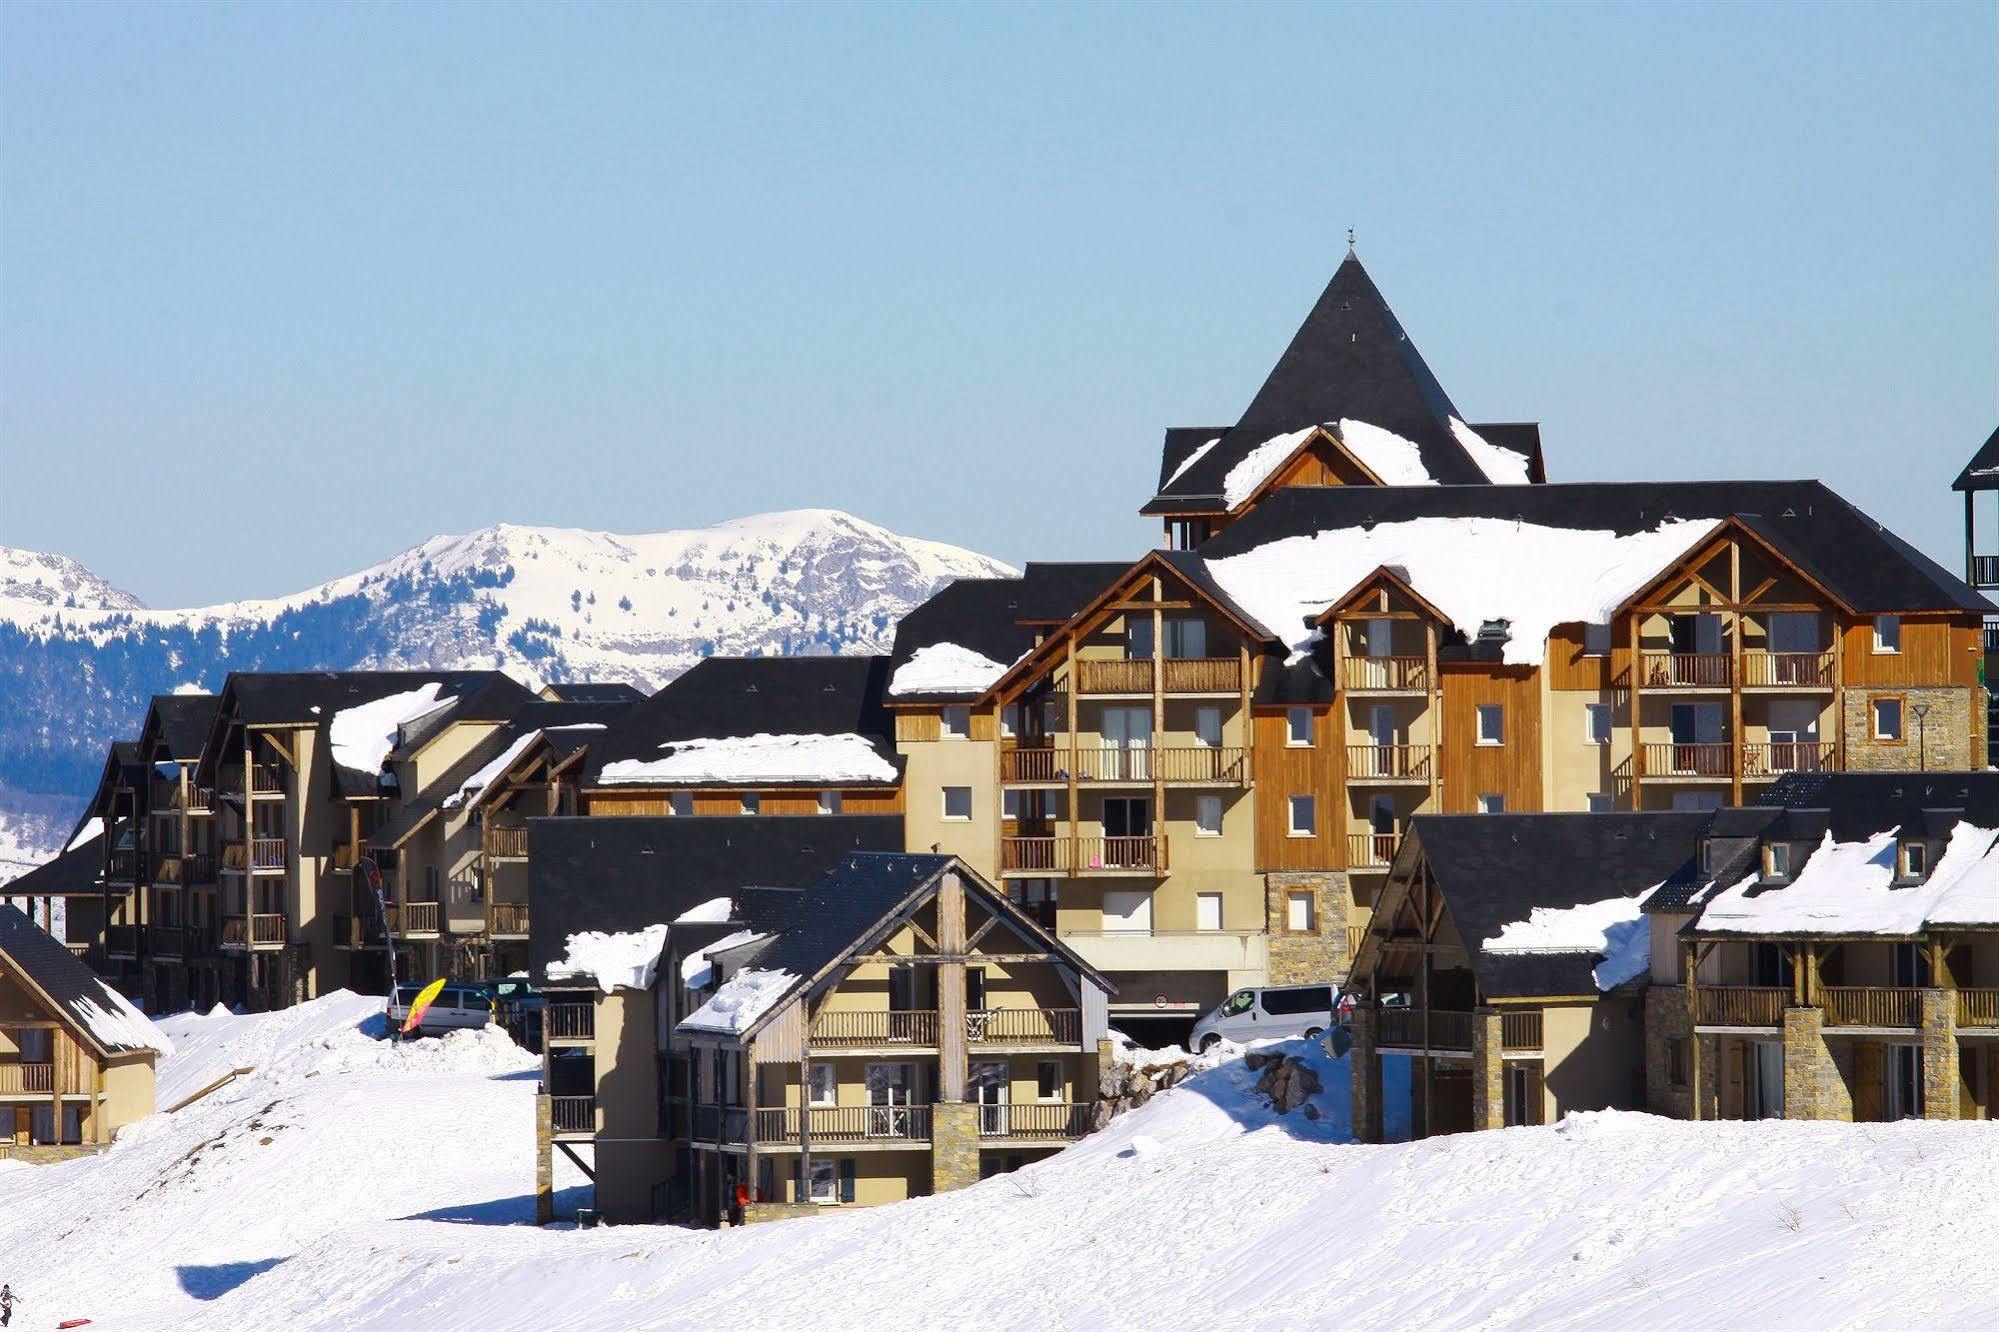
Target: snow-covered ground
348	1185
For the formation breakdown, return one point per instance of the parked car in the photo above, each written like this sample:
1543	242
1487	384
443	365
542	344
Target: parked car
1269	1013
456	1007
517	1006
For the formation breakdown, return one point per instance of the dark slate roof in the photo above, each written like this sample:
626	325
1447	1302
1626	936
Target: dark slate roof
1862	562
1854	806
1495	869
75	872
730	697
71	985
1523	438
1349	359
594	692
278	697
625	873
996	617
181	722
1181	441
1982	472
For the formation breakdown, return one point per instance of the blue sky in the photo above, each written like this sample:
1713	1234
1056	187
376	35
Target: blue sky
285	289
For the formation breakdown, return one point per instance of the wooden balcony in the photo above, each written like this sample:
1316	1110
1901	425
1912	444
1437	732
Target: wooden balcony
266	779
121	866
1985	571
416	918
1023	1026
1385	675
1978	1008
167	870
573	1116
1787	670
235	857
121	940
1388	763
1520	1030
1027	764
1766	761
1191	765
1034	855
1702	762
1686	670
1894	1007
1740	1005
1113	676
267	854
200	799
504	919
1177	675
1371	850
886	1125
1202	675
503	843
263	930
169	941
199	871
1404	1028
1083	855
1053	1121
27	1079
571	1020
874	1028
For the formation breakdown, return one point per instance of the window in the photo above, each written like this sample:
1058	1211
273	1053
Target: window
430	883
825	1084
1297	726
1208	727
1048	1084
1599	723
1239	1002
1207	911
1010	805
753	803
1491	724
1138	637
1915	859
1292	1000
1186	638
1207	816
1777	860
1010	719
1887	718
37	1042
825	1181
1301	911
957	722
1676	1061
681	803
829	802
1887	633
1599	803
1304	816
1492	804
1596	640
958	804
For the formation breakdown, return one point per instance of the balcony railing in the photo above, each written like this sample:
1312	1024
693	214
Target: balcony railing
1716	760
1181	764
199	870
1178	675
1084	855
1113	676
1448	1029
1789	756
1985	571
1388	763
719	1123
1049	855
234	856
200	798
1361	674
1034	763
1787	670
1992	637
573	1114
166	868
1520	1031
168	940
833	1124
266	779
503	843
27	1079
1740	1005
572	1021
1056	1121
1202	675
1371	850
868	1028
267	853
1871	1005
263	930
121	866
121	940
506	917
1023	1026
1978	1008
415	917
1687	670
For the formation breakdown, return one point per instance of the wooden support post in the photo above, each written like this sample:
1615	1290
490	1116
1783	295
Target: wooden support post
1637	669
1735	673
951	1033
1157	820
1075	815
1243	722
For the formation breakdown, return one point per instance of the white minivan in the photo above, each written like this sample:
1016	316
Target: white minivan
455	1007
1269	1013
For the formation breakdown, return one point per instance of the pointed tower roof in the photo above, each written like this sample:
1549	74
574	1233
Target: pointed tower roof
1982	472
1349	360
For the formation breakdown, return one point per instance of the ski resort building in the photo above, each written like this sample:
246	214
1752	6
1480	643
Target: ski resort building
1981	564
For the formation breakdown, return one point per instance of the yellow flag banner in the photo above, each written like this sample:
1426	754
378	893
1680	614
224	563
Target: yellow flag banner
421	1005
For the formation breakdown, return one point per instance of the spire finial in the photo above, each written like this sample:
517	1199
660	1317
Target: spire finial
1349	240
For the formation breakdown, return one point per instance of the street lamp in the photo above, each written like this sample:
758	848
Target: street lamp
1921	712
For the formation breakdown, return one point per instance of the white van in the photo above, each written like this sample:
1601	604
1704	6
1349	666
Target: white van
455	1007
1269	1013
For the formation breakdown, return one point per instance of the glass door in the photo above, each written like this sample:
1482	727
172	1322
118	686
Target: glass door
990	1085
1127	738
888	1100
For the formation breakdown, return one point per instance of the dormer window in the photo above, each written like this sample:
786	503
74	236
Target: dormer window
1915	860
1596	640
957	722
1707	858
1777	860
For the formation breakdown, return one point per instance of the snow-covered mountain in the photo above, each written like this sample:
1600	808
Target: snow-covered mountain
81	657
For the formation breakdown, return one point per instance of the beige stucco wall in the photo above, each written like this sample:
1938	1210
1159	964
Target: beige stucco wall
128	1094
1576	768
934	765
1593	1055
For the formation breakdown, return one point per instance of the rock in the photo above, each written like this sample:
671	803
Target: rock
1110	1080
1311	1111
1100	1115
1306	1075
1141	1093
1122	1105
1257	1059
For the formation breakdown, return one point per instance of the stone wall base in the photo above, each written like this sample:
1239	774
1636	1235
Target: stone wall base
954	1146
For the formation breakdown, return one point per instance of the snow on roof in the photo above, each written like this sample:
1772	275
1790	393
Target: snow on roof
1471	569
1397	461
945	668
468	792
117	1024
759	758
1848	888
362	736
627	960
1502	467
92	827
697	969
1614	929
711	912
743	998
1199	453
1257	465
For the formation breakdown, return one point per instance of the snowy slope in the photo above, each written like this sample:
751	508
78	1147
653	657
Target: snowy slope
345	1185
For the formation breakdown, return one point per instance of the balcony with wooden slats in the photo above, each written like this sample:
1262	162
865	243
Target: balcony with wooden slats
507	920
1872	1007
1388	764
505	843
1703	762
1686	671
1765	762
1417	1028
1024	1028
266	780
1978	1008
844	1126
1760	1006
571	1021
1183	765
573	1116
1177	675
265	929
1083	856
873	1029
267	855
1782	672
1520	1030
1035	1121
1385	675
27	1079
1371	850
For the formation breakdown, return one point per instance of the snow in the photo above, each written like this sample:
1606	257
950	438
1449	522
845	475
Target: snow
1397	461
116	1024
759	758
697	969
1614	929
468	791
711	912
1502	467
1471	569
391	1189
743	998
946	668
1845	888
627	959
1199	453
362	736
1256	466
92	827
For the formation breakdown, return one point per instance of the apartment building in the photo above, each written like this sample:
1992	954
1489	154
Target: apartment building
72	884
1981	564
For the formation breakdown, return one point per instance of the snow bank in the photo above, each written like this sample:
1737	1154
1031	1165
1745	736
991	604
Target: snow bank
1199	453
1847	888
759	758
628	959
1471	569
469	790
946	668
743	998
362	736
1502	467
1613	929
697	969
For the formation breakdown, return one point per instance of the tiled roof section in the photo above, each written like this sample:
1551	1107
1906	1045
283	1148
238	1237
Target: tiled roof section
1350	359
1854	806
1982	472
181	723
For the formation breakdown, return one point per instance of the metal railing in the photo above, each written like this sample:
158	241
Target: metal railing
1394	763
1356	936
874	1027
1371	850
1985	570
573	1114
1055	1120
506	917
1363	674
1740	1005
1520	1031
1787	670
1707	759
832	1124
1687	670
572	1021
1871	1005
1772	760
506	843
1448	1029
1978	1008
1023	1026
26	1079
